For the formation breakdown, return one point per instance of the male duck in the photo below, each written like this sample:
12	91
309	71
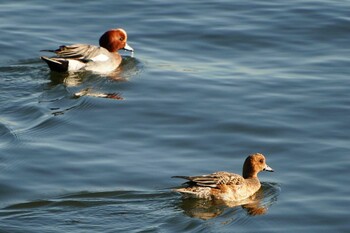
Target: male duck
227	186
89	57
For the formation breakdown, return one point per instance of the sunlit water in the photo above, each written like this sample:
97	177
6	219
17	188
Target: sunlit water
209	84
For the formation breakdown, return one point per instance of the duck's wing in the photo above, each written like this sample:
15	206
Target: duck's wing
79	51
214	179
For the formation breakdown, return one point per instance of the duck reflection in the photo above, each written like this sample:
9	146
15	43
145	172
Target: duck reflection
256	204
77	81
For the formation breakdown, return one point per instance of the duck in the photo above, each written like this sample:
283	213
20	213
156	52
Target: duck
226	186
103	58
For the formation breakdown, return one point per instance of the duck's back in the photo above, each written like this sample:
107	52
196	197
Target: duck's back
218	185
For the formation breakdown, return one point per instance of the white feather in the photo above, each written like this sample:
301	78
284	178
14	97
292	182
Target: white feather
100	57
74	65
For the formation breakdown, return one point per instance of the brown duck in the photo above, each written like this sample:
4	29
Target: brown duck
225	185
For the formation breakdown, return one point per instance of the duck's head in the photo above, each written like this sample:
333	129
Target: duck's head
114	40
254	164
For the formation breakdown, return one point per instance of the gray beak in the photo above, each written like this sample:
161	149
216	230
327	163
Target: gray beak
128	48
268	168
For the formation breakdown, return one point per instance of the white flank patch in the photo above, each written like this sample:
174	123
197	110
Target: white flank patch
100	57
75	65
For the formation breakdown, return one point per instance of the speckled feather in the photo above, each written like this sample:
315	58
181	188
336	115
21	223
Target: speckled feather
214	179
225	185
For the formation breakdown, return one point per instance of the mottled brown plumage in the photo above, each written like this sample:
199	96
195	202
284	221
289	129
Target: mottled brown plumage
225	185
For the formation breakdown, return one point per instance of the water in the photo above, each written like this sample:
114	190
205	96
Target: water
210	83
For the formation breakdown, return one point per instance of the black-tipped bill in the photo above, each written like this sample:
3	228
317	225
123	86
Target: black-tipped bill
268	168
128	48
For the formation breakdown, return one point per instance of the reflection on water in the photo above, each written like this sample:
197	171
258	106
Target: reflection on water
131	210
90	92
211	90
129	68
64	87
67	78
257	204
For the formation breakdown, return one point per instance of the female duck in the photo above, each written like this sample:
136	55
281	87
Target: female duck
89	57
227	186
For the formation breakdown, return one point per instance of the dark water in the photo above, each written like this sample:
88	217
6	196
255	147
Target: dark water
210	83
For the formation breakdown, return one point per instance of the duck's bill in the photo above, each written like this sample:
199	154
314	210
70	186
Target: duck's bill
128	48
268	168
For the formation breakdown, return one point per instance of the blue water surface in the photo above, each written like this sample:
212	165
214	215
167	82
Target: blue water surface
210	83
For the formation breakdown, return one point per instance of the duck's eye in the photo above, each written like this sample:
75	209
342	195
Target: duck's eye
261	161
121	38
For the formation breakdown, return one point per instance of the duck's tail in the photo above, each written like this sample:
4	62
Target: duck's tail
182	177
56	64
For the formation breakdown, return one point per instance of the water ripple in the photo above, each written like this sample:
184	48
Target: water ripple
147	210
210	81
